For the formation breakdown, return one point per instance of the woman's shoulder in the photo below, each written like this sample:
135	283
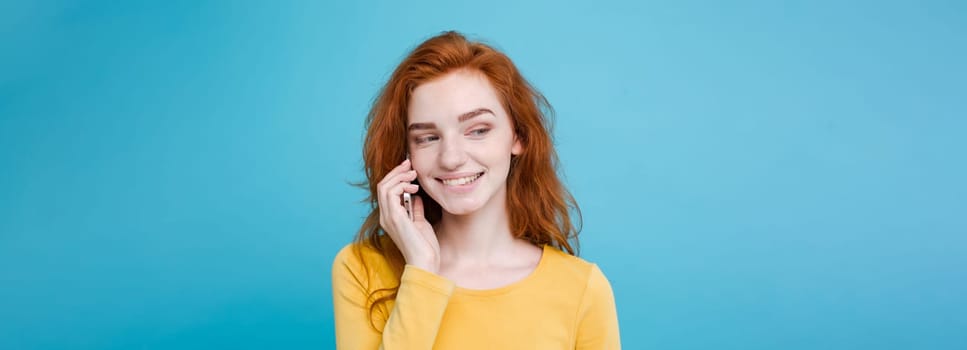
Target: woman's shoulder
362	259
581	280
357	254
572	267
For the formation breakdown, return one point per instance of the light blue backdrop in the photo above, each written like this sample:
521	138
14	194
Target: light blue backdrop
753	175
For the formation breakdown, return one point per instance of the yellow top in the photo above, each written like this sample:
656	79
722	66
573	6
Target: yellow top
566	303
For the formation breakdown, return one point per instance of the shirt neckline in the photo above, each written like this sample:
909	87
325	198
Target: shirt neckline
545	254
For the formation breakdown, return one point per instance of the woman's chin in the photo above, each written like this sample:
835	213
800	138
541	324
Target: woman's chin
462	208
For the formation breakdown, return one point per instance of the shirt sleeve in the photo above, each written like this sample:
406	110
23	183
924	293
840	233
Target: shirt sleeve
598	316
414	320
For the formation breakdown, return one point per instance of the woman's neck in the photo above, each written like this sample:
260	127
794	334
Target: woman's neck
482	238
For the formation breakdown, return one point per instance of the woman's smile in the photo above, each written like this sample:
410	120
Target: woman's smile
462	184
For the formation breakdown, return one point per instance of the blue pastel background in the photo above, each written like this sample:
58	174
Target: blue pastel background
753	175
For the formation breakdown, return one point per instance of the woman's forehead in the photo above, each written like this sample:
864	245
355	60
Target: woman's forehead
446	99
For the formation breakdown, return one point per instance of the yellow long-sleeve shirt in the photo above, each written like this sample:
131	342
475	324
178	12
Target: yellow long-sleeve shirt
566	303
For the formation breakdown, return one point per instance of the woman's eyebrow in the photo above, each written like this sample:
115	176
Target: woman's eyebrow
462	118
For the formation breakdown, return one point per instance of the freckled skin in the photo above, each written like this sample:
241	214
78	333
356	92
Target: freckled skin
482	143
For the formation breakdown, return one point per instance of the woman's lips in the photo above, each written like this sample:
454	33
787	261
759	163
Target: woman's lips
459	181
462	184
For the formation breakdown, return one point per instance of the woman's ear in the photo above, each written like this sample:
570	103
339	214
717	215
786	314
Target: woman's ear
517	148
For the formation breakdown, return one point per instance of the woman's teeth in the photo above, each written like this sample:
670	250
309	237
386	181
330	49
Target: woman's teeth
461	181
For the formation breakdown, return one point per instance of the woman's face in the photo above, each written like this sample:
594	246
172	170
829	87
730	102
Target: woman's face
461	141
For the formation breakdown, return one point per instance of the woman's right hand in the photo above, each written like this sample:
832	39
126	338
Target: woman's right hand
415	239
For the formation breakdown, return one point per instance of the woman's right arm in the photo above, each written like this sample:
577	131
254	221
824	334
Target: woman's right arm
414	320
423	295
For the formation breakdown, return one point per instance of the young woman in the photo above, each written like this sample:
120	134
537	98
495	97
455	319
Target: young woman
483	260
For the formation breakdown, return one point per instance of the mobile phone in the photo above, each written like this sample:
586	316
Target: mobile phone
407	200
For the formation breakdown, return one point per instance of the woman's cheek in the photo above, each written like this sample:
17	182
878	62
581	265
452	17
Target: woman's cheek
423	181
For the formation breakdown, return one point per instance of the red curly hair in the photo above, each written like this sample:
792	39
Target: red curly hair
538	203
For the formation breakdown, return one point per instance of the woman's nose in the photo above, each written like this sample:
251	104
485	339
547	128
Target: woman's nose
452	155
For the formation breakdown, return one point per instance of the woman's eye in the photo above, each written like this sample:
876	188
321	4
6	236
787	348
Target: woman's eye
479	132
425	139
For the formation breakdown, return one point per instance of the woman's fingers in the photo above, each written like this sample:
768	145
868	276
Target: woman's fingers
393	197
402	168
394	179
391	189
390	192
384	201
